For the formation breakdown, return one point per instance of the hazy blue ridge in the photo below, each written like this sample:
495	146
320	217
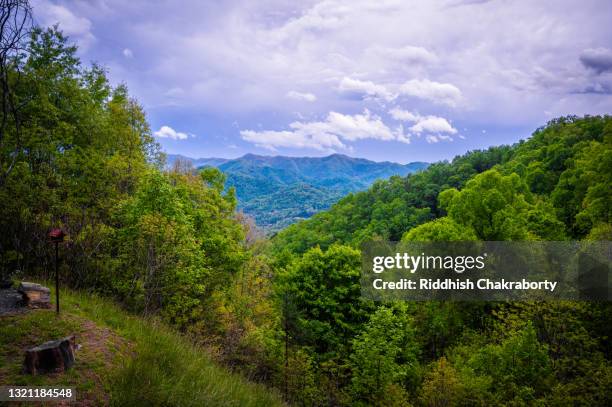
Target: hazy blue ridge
197	162
277	191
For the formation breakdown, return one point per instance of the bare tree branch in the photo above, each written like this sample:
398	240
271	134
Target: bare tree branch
15	25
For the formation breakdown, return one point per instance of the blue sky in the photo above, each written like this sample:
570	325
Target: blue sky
386	80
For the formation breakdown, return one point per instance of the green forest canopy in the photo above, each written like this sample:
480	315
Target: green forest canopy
77	153
554	186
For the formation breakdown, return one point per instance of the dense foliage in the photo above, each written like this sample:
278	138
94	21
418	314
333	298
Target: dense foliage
554	186
77	153
389	208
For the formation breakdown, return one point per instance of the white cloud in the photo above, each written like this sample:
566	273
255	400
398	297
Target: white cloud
366	88
356	127
333	133
436	128
436	138
308	97
433	124
127	53
404	115
436	92
442	93
169	132
401	136
77	27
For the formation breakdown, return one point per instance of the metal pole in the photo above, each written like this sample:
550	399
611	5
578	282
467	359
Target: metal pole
56	279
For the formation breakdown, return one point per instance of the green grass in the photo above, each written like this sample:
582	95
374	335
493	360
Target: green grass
125	360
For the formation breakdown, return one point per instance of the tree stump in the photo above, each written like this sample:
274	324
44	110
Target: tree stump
50	357
35	295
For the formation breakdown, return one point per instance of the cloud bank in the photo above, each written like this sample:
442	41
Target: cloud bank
472	64
332	133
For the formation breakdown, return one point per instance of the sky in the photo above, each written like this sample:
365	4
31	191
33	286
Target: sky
387	80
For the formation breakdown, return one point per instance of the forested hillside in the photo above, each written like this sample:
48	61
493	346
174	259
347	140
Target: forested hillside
565	166
389	207
77	153
554	186
278	191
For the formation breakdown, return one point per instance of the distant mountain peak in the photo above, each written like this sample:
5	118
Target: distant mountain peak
279	190
249	156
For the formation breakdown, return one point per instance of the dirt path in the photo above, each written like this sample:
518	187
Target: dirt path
100	351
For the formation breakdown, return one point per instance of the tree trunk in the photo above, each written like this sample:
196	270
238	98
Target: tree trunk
50	357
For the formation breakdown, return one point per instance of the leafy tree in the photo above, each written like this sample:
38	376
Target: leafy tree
442	386
179	243
520	365
440	230
245	323
385	353
498	207
79	150
324	288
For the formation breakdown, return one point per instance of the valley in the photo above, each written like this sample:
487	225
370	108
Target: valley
278	191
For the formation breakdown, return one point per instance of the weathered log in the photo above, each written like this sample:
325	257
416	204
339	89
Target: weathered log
35	295
50	357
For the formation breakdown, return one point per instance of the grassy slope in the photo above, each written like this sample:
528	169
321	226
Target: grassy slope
124	360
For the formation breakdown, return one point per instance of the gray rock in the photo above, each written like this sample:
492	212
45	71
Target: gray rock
11	302
35	295
26	286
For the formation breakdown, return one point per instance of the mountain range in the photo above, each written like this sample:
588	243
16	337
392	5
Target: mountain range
277	191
